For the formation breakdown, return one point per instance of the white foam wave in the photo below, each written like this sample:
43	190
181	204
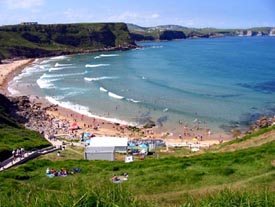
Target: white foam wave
132	100
164	110
157	46
61	65
85	110
61	75
113	95
62	57
46	61
96	65
108	55
58	68
103	89
13	91
99	78
42	83
105	55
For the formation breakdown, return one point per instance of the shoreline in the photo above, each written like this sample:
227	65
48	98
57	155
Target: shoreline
103	127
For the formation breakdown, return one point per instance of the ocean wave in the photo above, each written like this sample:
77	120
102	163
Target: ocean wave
103	89
44	76
96	65
62	57
58	68
113	95
166	109
132	100
156	46
99	78
106	55
62	65
85	111
47	84
13	91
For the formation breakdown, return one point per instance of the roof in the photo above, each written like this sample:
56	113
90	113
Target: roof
108	142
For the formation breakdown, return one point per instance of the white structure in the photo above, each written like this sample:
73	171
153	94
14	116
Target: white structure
104	148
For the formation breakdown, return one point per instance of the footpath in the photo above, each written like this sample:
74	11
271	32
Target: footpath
13	161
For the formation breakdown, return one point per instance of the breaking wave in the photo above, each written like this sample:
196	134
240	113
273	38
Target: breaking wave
96	65
106	55
113	95
99	78
84	110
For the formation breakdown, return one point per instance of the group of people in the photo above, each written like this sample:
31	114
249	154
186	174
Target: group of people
118	179
18	153
62	172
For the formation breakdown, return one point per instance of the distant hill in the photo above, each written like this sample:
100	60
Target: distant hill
161	32
55	39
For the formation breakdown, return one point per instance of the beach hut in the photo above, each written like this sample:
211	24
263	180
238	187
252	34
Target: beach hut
104	148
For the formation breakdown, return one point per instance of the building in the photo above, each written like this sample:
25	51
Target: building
29	23
104	148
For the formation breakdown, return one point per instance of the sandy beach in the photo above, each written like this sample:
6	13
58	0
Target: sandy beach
9	70
100	127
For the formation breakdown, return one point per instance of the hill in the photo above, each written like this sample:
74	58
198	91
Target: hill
237	173
55	39
13	135
139	33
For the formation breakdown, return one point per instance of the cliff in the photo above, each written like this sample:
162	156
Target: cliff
56	39
171	32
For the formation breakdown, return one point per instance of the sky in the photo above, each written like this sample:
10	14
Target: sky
147	13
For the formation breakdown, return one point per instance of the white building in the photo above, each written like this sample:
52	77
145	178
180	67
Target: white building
104	148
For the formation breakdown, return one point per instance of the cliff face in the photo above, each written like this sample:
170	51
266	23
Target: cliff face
170	35
44	40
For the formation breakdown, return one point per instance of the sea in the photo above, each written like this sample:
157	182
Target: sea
216	83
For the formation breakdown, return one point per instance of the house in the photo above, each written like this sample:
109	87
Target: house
29	23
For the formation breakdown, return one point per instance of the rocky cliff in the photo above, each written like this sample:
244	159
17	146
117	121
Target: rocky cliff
56	39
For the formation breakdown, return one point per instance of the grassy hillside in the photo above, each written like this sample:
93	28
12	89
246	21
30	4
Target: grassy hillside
156	33
43	40
237	173
14	135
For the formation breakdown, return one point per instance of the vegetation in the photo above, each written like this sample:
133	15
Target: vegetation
179	32
44	40
13	135
231	178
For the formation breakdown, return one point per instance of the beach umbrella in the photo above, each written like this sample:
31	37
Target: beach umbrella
74	124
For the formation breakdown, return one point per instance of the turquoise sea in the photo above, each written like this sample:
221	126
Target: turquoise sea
220	83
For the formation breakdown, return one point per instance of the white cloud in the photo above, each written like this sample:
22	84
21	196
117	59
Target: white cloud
155	16
134	17
23	4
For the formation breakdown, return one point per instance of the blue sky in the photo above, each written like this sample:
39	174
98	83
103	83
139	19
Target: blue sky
190	13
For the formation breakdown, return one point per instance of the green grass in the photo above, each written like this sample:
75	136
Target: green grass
239	178
43	40
151	180
13	135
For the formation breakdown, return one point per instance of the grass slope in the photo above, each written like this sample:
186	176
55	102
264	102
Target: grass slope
218	179
13	135
43	40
